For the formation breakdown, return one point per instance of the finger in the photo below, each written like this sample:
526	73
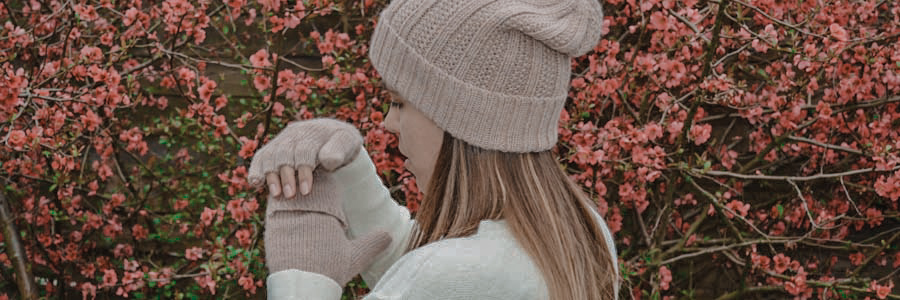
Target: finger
305	179
366	249
274	184
255	176
288	181
340	149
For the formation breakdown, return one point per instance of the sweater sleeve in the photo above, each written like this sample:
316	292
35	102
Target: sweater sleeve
368	207
293	284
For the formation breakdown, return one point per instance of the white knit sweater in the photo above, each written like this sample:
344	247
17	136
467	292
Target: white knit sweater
489	264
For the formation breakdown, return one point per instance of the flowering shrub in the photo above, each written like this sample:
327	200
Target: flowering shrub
736	149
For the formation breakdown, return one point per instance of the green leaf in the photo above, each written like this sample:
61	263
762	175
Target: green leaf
780	209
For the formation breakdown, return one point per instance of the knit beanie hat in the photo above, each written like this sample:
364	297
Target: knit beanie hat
493	73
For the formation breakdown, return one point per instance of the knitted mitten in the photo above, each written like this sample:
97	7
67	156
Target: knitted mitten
327	142
307	233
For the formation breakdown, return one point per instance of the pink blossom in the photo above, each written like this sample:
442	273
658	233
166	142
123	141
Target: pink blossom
109	278
17	139
270	5
262	82
665	277
889	186
92	54
653	131
700	133
838	32
130	16
236	4
659	21
881	291
86	12
206	282
238	213
857	258
88	289
123	250
180	204
91	120
193	253
208	216
740	207
221	101
260	59
243	237
206	90
782	263
112	228
139	232
247	283
248	147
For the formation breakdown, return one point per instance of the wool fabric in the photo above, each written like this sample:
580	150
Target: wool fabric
323	141
494	73
308	233
489	264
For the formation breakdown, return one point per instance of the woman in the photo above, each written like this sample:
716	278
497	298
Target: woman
477	89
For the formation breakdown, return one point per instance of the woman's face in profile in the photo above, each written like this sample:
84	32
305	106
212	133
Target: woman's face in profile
419	138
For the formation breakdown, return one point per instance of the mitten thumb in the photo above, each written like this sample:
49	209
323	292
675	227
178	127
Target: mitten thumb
341	148
366	248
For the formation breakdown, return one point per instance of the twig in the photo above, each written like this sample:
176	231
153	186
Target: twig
688	23
707	68
874	253
805	205
776	20
728	247
823	145
16	252
833	284
299	66
846	192
742	293
791	178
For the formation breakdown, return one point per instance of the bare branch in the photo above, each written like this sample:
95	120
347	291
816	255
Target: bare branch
16	252
791	178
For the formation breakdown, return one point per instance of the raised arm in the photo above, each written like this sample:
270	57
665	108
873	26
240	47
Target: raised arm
369	207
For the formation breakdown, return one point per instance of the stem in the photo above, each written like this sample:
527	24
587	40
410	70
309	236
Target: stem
24	277
707	68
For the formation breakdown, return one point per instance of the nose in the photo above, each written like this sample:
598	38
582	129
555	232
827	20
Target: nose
391	122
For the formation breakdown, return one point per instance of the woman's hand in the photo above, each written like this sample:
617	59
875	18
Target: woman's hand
289	159
307	234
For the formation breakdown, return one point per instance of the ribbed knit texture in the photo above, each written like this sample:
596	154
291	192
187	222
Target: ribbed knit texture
494	73
307	233
324	141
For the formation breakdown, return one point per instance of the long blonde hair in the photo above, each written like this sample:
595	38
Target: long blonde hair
547	213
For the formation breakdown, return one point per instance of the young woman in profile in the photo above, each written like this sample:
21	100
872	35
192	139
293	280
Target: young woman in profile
477	88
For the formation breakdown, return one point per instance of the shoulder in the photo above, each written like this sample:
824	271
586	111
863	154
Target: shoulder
487	265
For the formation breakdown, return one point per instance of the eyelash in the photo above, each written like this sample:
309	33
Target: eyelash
396	104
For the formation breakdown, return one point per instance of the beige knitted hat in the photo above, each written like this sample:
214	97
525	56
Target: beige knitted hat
494	73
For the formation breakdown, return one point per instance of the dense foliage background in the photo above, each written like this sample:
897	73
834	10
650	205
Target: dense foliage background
738	149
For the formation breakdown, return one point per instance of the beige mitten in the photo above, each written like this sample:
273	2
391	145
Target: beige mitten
307	233
324	141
